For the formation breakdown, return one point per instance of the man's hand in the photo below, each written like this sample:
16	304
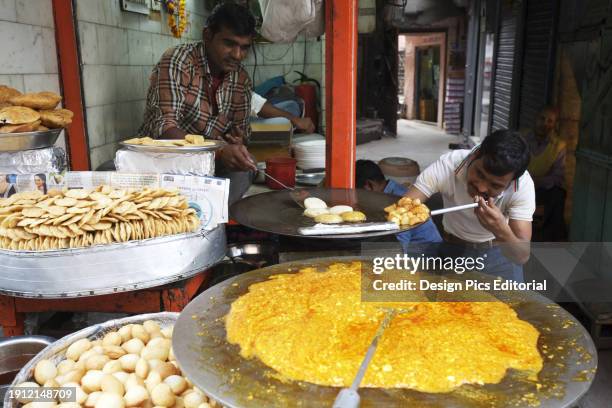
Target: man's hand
174	133
303	124
490	216
236	157
236	136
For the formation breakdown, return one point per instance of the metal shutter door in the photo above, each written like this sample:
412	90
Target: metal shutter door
538	64
505	65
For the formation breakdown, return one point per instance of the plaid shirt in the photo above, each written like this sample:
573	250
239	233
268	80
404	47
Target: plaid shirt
180	96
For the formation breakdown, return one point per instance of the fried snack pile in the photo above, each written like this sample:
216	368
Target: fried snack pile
31	111
81	218
312	326
133	366
407	212
190	140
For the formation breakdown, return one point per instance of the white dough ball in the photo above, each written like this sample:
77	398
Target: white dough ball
314	202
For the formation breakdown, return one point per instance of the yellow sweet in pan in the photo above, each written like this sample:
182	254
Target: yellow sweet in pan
312	326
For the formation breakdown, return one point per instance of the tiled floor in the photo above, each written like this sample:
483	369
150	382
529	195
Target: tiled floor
415	140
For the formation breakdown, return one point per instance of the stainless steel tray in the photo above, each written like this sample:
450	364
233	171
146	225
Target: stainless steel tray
56	351
216	367
111	268
14	142
309	179
174	149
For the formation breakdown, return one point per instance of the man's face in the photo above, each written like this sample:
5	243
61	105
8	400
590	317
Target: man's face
545	122
482	183
374	185
225	50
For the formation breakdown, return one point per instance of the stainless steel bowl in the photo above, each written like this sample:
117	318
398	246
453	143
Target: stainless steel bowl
310	179
255	254
14	142
15	352
56	351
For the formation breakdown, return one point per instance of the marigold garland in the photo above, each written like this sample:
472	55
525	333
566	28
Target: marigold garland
176	28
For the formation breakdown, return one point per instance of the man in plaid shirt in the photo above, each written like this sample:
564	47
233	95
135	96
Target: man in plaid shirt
202	88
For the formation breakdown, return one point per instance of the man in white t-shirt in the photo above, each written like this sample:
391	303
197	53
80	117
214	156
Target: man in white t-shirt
494	175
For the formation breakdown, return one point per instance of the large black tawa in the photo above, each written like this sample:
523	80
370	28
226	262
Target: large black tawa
216	367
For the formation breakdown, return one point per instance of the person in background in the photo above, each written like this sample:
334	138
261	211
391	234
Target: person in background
7	189
40	181
547	168
494	175
261	107
202	88
369	176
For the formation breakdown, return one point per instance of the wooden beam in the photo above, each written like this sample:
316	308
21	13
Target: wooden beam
340	91
70	81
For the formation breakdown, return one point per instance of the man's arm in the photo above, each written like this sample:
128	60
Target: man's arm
270	111
172	83
415	193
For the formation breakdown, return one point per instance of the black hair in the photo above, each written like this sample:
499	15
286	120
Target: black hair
367	170
503	152
232	16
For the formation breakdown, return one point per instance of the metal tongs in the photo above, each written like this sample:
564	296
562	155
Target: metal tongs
349	397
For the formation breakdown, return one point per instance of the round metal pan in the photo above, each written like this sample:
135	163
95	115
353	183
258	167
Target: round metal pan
15	142
217	368
111	268
56	351
276	212
215	145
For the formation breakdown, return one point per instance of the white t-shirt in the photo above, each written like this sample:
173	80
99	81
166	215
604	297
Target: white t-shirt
448	176
257	102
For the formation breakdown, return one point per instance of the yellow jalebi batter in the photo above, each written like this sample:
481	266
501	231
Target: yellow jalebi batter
311	326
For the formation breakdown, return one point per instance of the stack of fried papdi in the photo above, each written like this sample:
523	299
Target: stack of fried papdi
407	212
80	218
190	140
31	111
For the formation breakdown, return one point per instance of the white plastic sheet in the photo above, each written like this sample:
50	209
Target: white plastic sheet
283	21
197	164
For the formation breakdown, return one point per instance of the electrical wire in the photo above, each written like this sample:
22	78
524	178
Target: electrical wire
255	66
281	57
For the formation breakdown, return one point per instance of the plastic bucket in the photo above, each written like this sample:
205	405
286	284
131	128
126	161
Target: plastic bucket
283	170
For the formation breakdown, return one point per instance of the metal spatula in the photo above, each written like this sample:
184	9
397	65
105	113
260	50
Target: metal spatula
349	397
297	195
